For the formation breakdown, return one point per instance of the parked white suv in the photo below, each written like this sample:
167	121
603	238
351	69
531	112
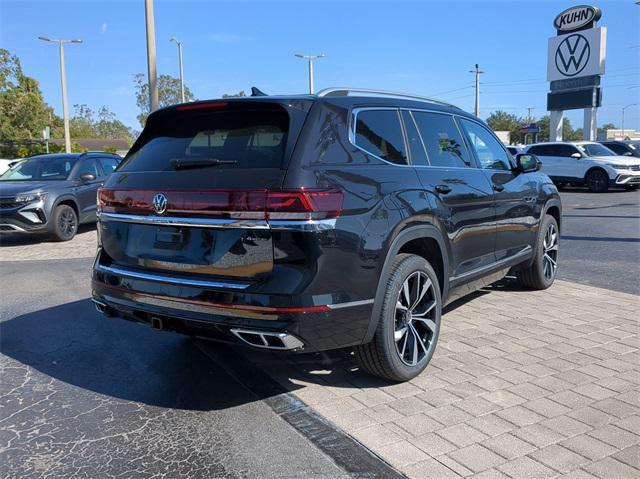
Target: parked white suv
587	163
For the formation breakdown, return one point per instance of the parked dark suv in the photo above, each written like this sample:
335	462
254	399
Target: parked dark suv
54	193
344	219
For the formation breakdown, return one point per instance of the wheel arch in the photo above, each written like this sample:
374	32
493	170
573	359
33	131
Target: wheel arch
594	168
422	240
69	201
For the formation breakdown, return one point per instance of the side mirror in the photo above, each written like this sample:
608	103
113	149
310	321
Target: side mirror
627	153
576	155
87	177
527	163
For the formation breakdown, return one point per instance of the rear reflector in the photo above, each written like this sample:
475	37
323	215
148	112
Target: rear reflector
298	205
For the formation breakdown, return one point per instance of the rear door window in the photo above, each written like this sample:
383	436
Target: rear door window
545	150
238	139
416	147
442	139
379	132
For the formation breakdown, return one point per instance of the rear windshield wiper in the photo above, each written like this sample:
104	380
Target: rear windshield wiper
182	163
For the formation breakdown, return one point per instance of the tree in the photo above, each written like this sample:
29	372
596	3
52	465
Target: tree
502	121
85	124
568	133
168	93
240	94
23	111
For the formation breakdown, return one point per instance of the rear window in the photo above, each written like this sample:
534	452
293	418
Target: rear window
238	139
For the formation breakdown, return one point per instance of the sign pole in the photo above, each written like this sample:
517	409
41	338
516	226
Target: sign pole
555	125
590	127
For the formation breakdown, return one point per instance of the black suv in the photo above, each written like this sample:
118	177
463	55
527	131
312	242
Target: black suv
54	193
343	219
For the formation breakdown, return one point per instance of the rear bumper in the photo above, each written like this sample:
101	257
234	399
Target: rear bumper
214	310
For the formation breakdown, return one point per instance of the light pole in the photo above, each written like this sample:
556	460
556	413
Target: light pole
172	39
478	72
151	55
310	58
63	81
623	109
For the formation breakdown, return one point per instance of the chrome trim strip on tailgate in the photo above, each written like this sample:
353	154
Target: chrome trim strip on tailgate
293	225
184	221
168	279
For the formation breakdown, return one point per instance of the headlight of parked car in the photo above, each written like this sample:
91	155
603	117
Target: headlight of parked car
621	167
31	197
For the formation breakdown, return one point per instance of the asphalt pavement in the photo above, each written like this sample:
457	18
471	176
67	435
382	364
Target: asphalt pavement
84	396
600	239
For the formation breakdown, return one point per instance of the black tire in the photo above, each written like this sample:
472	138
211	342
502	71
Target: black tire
597	181
560	184
64	223
387	356
537	275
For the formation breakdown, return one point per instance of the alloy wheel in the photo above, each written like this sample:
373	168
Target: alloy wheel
415	324
67	223
550	251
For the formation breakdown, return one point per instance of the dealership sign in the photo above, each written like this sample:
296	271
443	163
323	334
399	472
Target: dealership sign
576	18
576	54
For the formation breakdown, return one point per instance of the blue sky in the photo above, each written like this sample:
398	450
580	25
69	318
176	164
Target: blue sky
423	47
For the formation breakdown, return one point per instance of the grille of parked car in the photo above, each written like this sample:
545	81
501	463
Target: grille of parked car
7	202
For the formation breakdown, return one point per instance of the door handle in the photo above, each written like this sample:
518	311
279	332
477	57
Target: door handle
444	189
498	187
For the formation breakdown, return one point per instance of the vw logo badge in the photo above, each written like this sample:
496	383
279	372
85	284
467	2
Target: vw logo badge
572	55
160	203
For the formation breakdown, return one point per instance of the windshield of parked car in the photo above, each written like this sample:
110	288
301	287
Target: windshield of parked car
40	169
596	149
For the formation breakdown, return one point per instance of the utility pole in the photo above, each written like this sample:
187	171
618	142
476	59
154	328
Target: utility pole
529	116
151	55
623	109
310	58
172	39
63	81
477	72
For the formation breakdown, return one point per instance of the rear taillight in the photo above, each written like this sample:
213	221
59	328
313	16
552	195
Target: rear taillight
298	205
303	204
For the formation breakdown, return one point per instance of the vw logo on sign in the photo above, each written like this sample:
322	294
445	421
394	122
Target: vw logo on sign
572	55
160	203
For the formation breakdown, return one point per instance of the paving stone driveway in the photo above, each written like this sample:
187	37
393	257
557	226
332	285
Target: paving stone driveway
522	385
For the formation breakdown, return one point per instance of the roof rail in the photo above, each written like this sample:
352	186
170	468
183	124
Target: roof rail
344	91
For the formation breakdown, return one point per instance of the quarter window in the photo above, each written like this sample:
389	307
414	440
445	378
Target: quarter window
489	151
442	139
379	132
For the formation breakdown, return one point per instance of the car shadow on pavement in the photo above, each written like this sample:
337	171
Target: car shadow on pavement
336	368
16	239
74	344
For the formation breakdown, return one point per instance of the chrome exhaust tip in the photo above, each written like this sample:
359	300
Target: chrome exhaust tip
102	308
99	305
268	340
